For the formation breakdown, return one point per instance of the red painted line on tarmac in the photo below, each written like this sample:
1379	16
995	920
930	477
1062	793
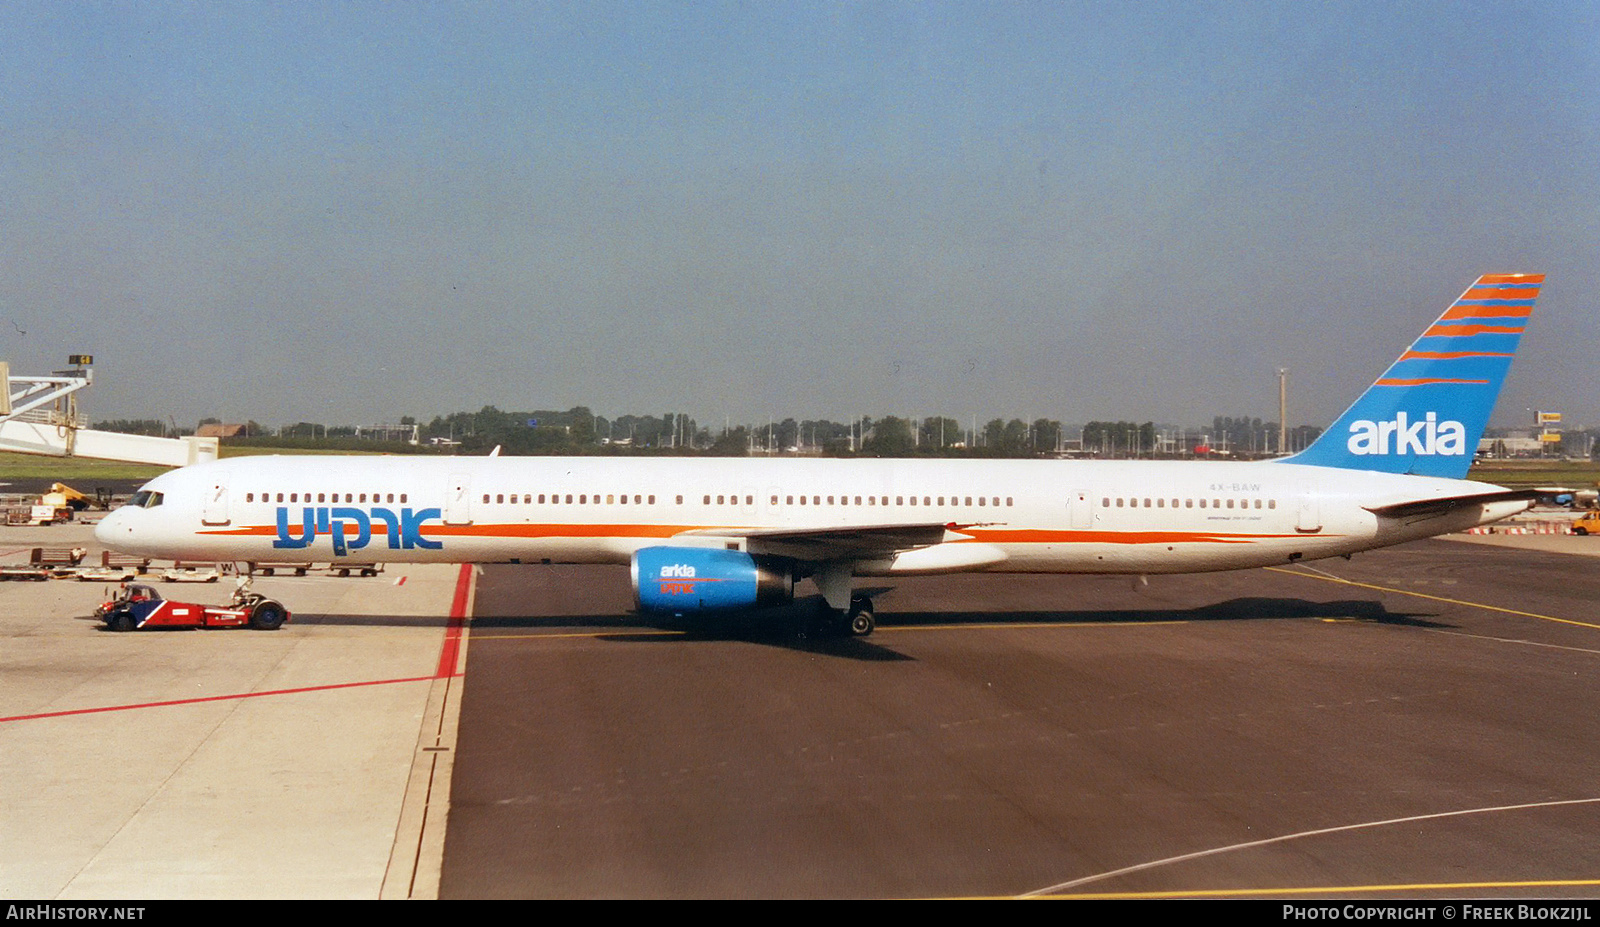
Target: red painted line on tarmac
458	620
215	698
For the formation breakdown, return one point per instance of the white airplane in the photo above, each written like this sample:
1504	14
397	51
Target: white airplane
713	534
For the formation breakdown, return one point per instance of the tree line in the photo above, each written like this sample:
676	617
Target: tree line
580	431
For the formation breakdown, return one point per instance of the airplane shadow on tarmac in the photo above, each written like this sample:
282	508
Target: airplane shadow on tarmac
791	626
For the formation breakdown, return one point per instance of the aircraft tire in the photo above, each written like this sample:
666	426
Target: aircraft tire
267	616
862	622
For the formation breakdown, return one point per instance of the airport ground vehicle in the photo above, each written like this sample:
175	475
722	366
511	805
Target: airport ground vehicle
1588	524
58	505
138	606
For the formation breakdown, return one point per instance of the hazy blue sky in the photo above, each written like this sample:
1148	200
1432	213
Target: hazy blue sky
350	212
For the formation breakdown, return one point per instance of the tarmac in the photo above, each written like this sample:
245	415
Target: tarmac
1417	722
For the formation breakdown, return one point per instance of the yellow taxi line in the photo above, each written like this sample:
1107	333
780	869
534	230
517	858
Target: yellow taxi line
1328	577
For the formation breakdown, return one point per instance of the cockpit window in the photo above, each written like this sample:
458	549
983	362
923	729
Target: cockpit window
145	499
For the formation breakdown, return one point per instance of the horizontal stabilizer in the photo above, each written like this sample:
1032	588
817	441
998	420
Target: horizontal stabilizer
1443	504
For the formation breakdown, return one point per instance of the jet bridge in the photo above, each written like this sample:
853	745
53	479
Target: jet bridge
39	415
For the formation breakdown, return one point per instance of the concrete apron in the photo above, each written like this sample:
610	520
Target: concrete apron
309	762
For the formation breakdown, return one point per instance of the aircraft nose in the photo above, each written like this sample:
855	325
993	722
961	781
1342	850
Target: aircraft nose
112	529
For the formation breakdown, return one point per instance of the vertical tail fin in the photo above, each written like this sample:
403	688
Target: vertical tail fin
1427	412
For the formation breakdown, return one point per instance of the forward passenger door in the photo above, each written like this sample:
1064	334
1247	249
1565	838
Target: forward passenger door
214	508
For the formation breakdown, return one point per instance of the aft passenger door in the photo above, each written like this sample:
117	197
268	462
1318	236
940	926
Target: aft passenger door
1309	520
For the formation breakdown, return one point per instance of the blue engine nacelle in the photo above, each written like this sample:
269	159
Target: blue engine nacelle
683	580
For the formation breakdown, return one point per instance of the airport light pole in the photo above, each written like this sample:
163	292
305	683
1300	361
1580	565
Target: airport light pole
1283	410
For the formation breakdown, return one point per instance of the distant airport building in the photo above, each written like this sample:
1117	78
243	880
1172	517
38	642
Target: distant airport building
1510	447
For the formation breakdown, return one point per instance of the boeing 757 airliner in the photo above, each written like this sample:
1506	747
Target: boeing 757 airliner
711	534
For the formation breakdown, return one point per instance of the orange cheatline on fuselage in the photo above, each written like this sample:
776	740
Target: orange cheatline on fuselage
1000	535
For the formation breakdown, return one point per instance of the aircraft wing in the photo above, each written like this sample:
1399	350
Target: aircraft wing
1442	504
854	542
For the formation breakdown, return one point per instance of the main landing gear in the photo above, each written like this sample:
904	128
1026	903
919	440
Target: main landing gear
855	621
859	617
